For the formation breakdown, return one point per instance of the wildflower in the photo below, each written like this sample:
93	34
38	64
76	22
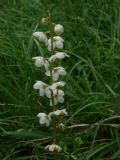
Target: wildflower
56	72
60	112
57	43
44	119
58	98
39	61
53	148
41	37
57	84
41	86
58	29
50	91
58	55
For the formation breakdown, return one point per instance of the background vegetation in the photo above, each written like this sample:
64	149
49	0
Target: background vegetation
92	39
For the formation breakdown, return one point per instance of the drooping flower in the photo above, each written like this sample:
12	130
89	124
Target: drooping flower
41	37
57	84
58	98
39	61
61	112
56	72
58	55
58	29
50	92
41	86
57	43
53	148
44	119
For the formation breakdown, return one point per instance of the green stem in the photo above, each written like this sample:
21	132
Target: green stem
52	96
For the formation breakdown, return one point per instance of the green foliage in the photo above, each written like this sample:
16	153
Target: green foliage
92	35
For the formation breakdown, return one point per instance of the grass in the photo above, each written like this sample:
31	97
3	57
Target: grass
92	39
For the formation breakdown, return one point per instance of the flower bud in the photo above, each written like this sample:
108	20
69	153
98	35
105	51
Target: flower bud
58	29
45	21
61	127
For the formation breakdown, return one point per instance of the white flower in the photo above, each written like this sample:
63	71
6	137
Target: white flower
55	95
49	92
57	43
60	112
56	72
61	55
58	55
44	119
58	98
39	61
57	84
58	38
41	36
41	86
58	29
53	148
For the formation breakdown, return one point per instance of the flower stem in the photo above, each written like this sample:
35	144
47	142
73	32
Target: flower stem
52	95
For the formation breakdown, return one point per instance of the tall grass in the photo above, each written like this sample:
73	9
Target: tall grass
92	34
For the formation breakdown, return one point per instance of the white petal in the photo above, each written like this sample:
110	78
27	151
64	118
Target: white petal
61	55
51	114
38	84
46	65
55	76
59	44
42	91
58	38
47	122
47	73
62	71
39	61
53	147
42	120
60	84
41	36
60	99
52	58
61	93
48	92
57	112
41	115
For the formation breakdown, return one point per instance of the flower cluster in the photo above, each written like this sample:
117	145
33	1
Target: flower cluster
54	43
